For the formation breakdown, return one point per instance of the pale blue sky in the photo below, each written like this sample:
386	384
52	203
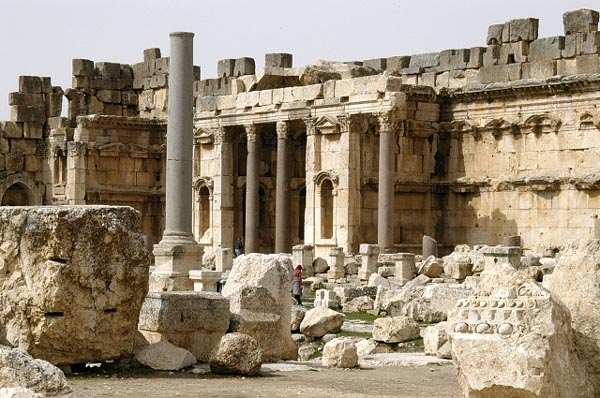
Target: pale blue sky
40	37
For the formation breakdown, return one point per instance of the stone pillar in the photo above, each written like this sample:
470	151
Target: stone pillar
178	253
326	299
385	211
430	247
76	175
597	228
252	185
405	266
282	191
223	189
370	254
312	166
303	255
223	260
336	264
205	281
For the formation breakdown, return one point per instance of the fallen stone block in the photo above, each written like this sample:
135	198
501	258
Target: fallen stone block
165	356
238	354
340	353
395	329
258	289
195	321
320	321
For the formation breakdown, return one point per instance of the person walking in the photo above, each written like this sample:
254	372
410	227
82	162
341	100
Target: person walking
297	284
238	247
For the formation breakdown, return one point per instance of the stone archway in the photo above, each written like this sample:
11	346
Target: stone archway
17	195
19	190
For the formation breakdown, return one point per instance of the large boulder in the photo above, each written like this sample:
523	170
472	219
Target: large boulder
321	321
72	281
575	282
346	294
359	304
20	372
258	289
512	339
165	356
395	329
340	353
195	321
238	354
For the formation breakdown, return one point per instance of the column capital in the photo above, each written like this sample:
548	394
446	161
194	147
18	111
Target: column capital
283	130
310	123
386	122
251	132
222	135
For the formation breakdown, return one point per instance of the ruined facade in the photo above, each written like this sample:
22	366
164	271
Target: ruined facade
465	145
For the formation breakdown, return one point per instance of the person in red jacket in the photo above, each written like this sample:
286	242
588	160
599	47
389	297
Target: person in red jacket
297	284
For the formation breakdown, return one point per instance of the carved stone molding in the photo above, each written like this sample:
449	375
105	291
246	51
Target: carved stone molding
203	181
251	132
543	123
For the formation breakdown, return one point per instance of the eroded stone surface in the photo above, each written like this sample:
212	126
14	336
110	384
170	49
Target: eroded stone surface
165	356
320	321
72	281
258	289
18	370
340	353
237	353
513	339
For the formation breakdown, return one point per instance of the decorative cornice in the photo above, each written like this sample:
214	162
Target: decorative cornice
131	123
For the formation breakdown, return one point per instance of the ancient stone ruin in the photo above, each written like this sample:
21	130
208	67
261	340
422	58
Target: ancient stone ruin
433	188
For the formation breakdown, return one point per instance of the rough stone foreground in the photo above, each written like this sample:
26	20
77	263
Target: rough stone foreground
72	281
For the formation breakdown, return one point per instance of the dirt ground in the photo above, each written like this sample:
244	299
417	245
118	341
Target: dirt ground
388	381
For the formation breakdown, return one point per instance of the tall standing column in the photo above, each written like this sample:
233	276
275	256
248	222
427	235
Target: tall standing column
282	191
385	211
252	196
178	253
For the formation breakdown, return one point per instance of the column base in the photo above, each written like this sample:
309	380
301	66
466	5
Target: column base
174	258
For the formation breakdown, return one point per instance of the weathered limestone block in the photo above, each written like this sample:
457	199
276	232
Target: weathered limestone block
442	297
72	281
395	329
376	280
165	356
258	289
369	254
19	370
434	337
546	48
494	36
298	314
580	21
320	265
359	304
195	321
575	283
405	266
346	294
513	339
109	70
458	267
237	353
279	60
83	67
431	267
525	29
336	264
321	321
340	353
326	299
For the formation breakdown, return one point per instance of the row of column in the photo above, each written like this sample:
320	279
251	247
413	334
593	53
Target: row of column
386	176
282	190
